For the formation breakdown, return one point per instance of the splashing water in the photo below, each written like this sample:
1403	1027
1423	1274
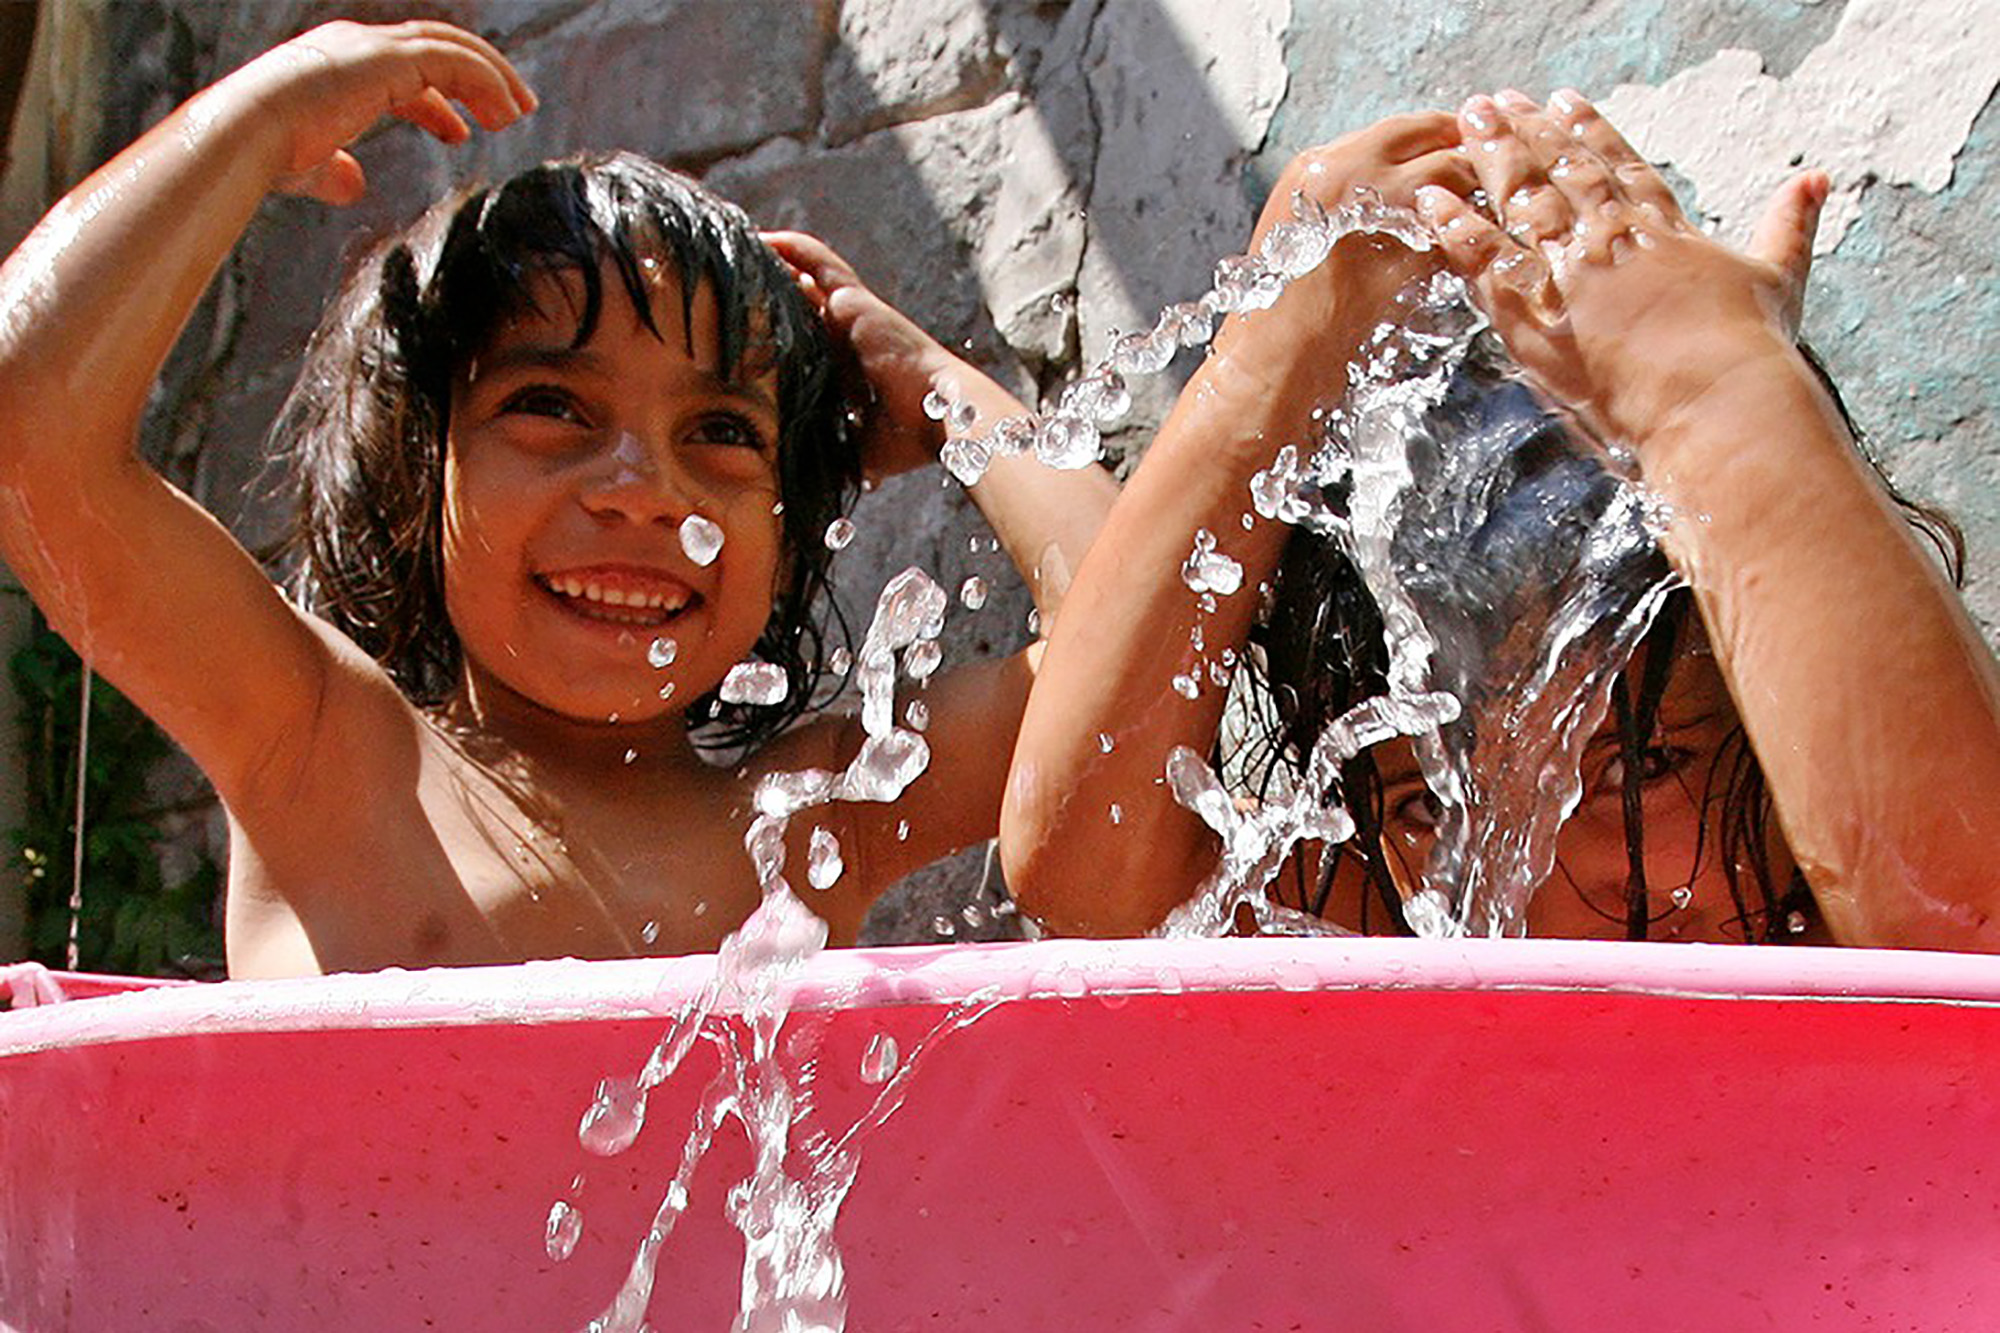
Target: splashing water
1515	565
1209	570
1501	655
701	539
755	683
565	1228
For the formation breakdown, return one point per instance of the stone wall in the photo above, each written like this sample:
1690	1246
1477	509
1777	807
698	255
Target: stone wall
1026	178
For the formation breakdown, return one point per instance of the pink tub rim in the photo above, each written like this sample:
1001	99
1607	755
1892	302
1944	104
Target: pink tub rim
568	991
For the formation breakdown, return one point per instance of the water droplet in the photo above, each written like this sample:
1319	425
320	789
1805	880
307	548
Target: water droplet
902	830
667	690
936	405
1034	621
1142	353
823	863
839	660
879	1061
942	927
1067	443
839	533
660	654
1097	397
972	593
615	1117
564	1228
1187	686
701	539
1209	570
1117	813
1104	742
922	658
1682	896
966	458
762	683
918	715
1796	923
971	915
631	755
650	932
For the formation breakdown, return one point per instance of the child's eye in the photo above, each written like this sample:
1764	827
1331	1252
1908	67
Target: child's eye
728	428
1420	809
1655	763
542	400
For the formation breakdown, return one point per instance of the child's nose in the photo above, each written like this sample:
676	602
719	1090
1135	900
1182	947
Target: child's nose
640	482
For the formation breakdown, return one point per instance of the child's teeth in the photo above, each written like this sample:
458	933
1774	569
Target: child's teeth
613	597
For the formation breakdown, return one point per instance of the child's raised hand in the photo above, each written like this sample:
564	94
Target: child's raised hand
1323	313
895	360
1597	281
319	92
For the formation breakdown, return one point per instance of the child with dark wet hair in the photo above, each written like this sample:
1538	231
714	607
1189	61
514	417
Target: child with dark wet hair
568	448
1830	663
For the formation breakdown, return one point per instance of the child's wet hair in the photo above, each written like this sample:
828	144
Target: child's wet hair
368	418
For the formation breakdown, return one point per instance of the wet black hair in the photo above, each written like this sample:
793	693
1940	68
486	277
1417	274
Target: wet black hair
1320	649
365	425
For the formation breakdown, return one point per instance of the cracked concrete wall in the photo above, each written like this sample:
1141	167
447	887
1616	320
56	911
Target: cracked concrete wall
1028	177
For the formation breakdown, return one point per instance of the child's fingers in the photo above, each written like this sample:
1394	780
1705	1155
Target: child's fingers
468	78
1565	166
810	255
430	111
518	92
1784	236
1635	176
1511	278
1446	168
1410	136
338	180
1500	157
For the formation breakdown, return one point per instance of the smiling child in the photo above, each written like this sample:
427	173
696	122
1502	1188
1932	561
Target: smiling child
556	433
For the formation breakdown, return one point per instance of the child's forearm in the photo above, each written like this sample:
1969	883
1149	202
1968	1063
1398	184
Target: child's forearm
1871	700
96	295
1091	841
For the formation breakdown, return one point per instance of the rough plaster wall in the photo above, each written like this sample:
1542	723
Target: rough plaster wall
1894	96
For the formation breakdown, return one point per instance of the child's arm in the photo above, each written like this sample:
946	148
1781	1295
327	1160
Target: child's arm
1045	519
1125	631
1872	702
151	589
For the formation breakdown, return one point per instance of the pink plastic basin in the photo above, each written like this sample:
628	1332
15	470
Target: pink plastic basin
1211	1136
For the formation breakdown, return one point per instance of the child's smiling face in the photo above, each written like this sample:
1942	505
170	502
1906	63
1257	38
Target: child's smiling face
569	471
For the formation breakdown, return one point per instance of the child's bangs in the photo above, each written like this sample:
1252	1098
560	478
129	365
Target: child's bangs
631	217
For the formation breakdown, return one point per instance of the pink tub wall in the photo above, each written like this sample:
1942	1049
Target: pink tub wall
1355	1135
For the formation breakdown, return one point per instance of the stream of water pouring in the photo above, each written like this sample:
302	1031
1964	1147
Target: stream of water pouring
1515	567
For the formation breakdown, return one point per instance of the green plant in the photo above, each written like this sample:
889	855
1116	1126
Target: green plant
133	921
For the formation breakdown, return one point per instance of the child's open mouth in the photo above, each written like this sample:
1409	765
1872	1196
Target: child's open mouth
618	597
